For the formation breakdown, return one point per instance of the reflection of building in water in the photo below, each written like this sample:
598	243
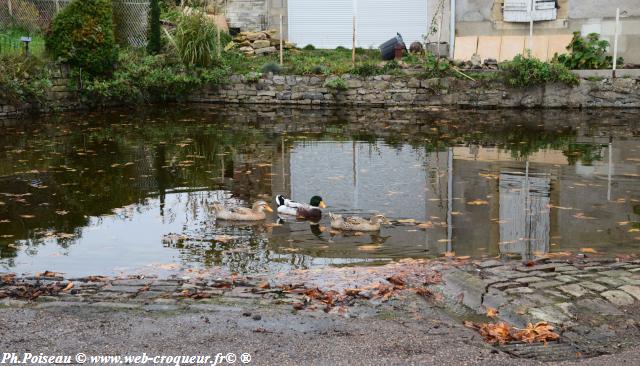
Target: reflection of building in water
524	213
570	206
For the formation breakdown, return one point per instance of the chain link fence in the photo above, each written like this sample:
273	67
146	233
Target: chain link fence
35	16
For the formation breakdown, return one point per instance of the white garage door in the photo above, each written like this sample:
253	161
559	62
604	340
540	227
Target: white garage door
328	23
379	20
324	24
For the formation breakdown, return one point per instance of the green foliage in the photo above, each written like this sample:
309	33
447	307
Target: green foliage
526	71
309	47
140	77
10	42
435	67
82	35
587	53
367	69
196	40
320	70
252	77
154	42
23	79
336	84
271	67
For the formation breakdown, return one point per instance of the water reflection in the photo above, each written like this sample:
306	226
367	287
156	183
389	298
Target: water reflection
99	193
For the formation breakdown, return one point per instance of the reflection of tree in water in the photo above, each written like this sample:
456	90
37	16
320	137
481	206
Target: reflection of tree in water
88	165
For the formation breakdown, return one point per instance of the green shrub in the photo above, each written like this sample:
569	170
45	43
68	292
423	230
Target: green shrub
436	67
23	79
367	69
587	53
526	71
82	35
271	67
140	77
154	41
320	70
252	77
336	84
196	40
309	47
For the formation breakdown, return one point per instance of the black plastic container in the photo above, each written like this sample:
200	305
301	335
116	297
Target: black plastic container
388	49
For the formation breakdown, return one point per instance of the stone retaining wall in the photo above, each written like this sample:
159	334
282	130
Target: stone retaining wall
62	96
380	91
412	91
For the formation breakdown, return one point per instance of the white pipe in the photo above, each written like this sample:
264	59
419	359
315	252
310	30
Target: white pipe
532	10
452	30
615	42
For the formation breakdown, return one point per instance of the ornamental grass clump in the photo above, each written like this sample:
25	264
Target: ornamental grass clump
196	40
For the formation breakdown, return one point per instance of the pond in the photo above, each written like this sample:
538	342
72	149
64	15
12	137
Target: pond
123	191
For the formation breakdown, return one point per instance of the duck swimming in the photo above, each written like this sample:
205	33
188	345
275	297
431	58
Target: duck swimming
256	213
355	223
311	211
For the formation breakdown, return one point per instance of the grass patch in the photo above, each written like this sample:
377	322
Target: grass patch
10	43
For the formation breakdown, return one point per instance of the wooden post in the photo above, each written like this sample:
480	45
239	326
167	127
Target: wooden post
10	8
219	48
615	43
353	43
57	6
281	41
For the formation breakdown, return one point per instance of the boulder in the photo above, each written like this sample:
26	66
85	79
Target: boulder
247	50
266	50
260	44
254	36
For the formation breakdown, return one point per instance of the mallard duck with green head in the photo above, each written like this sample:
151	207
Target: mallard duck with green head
356	223
311	211
255	213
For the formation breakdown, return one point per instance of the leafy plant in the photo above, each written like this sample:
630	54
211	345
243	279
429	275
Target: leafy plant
252	77
154	42
196	40
587	53
82	35
309	47
271	67
367	69
320	70
140	77
336	84
525	71
23	79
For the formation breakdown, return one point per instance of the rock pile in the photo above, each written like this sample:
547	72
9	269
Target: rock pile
259	43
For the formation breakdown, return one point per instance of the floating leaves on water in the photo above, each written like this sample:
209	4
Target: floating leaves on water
61	212
2	203
49	274
582	216
369	248
588	250
407	221
167	266
224	238
426	225
478	202
449	254
27	216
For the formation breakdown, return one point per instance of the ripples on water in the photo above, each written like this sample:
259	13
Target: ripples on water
103	193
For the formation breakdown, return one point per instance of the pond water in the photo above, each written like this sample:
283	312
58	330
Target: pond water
122	191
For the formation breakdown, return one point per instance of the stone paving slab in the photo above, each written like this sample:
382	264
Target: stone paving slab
560	292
